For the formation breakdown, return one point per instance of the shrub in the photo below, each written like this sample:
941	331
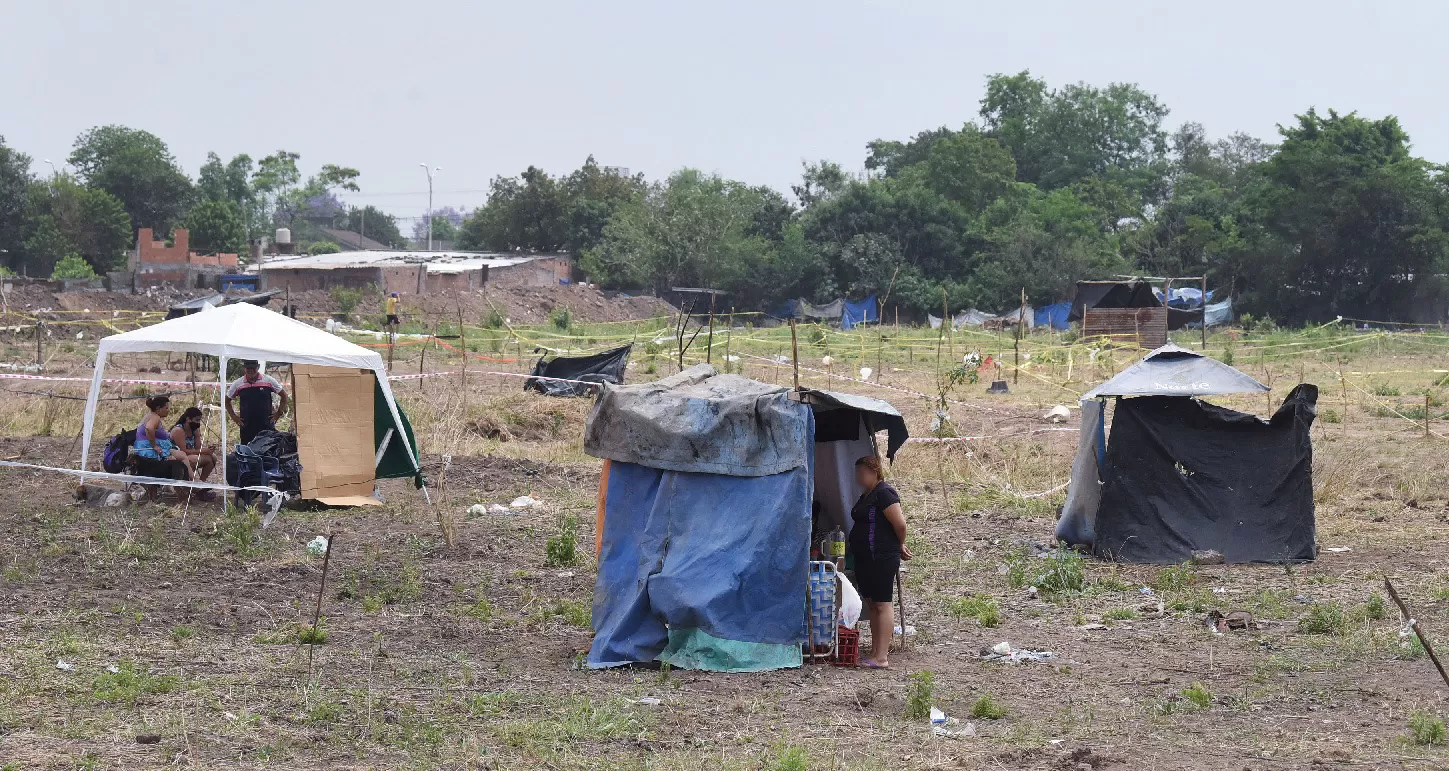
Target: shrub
562	549
561	317
791	759
346	299
323	247
1062	572
127	684
920	694
1174	578
1324	618
1375	608
1198	697
494	319
1426	728
72	266
987	708
985	610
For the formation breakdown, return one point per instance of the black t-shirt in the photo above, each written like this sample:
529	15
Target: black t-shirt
871	532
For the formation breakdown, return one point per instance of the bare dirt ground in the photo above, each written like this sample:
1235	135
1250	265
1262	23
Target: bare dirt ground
466	657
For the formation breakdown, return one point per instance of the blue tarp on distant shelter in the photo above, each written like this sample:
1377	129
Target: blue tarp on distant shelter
1054	316
859	312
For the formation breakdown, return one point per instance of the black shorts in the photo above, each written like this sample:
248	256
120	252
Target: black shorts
393	319
875	576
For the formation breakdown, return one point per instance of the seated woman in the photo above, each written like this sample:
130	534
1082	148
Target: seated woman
186	437
878	542
153	441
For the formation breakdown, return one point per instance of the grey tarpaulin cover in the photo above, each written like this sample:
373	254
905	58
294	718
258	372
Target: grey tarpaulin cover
701	421
1182	475
1078	524
1175	371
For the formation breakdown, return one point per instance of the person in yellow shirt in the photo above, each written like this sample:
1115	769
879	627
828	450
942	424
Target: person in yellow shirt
391	307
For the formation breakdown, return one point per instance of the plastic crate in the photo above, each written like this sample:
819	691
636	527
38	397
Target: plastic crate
847	648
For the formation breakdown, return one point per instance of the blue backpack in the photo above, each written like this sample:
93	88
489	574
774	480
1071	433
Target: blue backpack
118	449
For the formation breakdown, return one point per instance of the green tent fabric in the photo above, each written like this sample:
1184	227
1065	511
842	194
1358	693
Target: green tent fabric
395	462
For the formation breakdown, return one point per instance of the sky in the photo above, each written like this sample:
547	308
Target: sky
747	89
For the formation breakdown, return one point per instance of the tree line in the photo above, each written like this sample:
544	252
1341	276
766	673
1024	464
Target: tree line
81	218
1043	186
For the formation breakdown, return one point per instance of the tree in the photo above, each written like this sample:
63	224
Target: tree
372	223
692	229
137	168
592	194
446	221
65	217
72	266
528	212
14	198
1066	135
966	167
1043	242
1345	222
819	181
323	247
215	227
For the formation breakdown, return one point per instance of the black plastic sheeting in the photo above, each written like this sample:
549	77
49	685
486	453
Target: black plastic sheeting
1111	294
1182	475
606	367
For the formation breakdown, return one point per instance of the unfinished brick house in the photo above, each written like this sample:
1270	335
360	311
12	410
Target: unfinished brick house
154	263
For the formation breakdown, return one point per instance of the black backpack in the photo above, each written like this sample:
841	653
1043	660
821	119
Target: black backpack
118	451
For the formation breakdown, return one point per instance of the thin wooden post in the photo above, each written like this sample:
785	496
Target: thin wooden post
1426	415
1016	344
39	335
709	346
730	336
1204	311
463	343
795	353
1414	625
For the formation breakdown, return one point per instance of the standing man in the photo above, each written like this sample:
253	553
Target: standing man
392	317
253	392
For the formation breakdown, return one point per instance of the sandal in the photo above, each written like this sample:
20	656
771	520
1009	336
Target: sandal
871	664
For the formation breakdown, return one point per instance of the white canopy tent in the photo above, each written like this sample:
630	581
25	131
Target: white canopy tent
241	331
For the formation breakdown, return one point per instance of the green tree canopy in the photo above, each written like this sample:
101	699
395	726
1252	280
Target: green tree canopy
137	169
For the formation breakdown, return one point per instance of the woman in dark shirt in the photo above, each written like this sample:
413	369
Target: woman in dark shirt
878	542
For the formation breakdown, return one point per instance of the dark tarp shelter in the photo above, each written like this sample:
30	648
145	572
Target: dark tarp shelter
606	367
705	515
1179	475
1134	293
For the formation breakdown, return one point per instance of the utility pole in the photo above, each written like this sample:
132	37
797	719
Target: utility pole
430	173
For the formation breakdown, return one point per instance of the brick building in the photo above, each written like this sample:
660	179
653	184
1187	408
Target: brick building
153	262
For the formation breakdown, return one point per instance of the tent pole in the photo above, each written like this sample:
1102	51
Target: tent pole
221	380
397	422
795	354
89	421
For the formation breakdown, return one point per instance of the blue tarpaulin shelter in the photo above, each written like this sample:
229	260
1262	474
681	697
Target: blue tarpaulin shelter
705	515
1054	316
859	312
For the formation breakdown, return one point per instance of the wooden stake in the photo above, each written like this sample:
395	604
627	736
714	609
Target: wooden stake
321	589
730	336
39	334
795	354
1016	344
1426	415
1204	311
463	343
709	346
1414	625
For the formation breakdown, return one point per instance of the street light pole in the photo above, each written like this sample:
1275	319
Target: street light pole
430	173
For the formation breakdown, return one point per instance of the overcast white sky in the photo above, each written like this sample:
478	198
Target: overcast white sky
747	88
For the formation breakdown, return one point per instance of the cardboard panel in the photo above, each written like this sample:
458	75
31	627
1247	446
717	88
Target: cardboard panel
334	431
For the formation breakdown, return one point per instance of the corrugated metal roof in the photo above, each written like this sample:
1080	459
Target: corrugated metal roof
436	262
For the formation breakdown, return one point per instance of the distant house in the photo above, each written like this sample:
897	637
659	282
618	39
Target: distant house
154	262
410	272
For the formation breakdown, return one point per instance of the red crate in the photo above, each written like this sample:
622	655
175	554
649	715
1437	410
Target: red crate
847	648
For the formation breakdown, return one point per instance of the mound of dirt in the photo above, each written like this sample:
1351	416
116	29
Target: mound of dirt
518	304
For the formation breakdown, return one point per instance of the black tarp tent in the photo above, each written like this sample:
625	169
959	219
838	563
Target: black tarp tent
1129	293
1180	475
606	367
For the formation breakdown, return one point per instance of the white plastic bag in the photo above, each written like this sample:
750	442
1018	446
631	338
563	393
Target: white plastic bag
850	604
